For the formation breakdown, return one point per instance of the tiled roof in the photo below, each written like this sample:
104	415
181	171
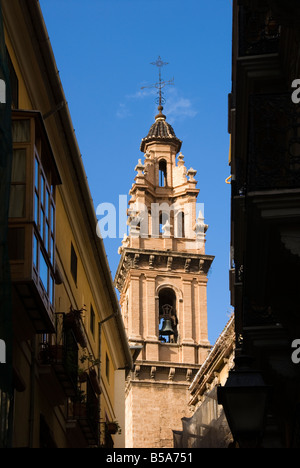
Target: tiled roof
161	131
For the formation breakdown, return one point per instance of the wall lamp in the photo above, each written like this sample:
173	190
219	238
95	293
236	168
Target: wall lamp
244	398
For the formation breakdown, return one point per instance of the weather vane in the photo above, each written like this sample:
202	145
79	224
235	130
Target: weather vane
161	84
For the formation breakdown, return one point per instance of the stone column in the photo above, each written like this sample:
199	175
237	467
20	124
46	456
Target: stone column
134	329
151	325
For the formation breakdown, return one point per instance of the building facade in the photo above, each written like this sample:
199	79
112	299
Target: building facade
265	204
162	279
70	350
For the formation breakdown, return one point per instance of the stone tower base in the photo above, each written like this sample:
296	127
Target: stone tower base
156	400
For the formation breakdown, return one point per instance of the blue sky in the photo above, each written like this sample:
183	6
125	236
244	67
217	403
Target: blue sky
104	50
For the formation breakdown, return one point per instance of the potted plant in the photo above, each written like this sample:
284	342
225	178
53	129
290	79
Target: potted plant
91	371
113	427
73	321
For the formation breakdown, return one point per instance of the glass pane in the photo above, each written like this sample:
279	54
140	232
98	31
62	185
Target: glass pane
52	218
36	209
47	203
51	290
52	251
20	130
47	237
36	174
17	201
35	251
42	189
44	272
18	172
42	224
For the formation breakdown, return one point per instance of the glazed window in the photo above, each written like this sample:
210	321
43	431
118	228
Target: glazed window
34	177
44	236
162	173
17	201
167	316
73	263
44	210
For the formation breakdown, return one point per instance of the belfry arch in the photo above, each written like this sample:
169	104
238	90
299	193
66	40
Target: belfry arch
168	315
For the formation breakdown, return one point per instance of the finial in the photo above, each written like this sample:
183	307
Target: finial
160	85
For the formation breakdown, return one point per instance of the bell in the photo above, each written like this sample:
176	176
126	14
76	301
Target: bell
167	328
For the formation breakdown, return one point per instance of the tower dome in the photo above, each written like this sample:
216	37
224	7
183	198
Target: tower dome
161	132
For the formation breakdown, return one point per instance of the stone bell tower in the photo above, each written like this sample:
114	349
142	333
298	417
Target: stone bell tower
162	279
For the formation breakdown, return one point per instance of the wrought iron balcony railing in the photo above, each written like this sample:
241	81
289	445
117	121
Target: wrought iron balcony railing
259	32
61	351
85	409
274	143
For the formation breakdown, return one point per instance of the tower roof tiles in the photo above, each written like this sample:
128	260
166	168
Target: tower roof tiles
161	132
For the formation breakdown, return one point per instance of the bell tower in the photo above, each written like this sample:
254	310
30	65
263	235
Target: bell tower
162	280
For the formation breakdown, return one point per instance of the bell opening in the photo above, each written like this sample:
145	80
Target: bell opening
167	316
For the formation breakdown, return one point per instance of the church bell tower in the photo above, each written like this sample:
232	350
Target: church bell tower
162	280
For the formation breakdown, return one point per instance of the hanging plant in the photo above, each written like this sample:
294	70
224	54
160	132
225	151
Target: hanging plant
73	321
113	427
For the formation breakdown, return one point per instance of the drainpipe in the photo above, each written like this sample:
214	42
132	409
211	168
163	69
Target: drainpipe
100	334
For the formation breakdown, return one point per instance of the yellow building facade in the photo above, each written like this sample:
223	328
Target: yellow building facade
70	351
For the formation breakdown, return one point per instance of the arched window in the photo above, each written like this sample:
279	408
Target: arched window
162	173
180	224
164	220
167	316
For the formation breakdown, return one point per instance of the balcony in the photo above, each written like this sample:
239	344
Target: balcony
274	143
58	359
32	220
259	32
271	158
106	440
83	414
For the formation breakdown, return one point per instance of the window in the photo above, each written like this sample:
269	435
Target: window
17	201
21	138
92	320
34	177
162	173
164	218
73	263
180	224
44	235
167	316
107	367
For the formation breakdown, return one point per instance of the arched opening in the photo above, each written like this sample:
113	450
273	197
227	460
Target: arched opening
164	221
162	173
180	224
167	316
